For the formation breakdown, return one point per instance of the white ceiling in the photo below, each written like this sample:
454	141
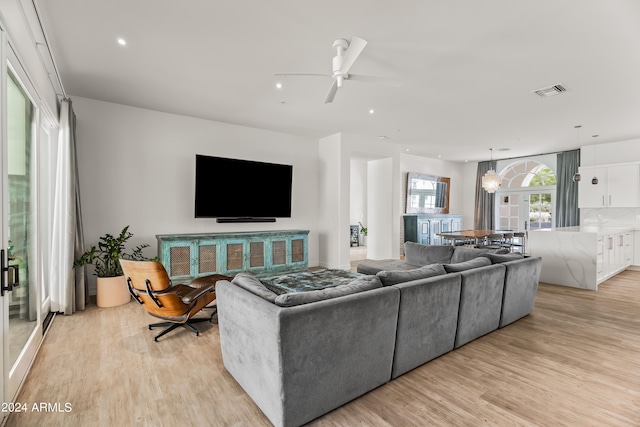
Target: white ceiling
466	68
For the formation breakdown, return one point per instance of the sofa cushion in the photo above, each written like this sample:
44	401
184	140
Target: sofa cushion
467	265
420	255
461	254
373	267
500	258
389	278
359	285
251	283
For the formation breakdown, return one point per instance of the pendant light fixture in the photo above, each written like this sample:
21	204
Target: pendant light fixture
594	180
491	180
576	176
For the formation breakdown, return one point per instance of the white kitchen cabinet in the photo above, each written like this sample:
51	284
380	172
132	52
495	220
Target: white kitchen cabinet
636	247
600	258
617	253
628	248
618	186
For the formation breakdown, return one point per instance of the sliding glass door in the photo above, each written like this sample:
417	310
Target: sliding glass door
22	282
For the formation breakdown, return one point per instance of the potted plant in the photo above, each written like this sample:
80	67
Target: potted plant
111	285
363	234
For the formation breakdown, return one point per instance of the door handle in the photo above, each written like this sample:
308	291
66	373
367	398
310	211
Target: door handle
4	286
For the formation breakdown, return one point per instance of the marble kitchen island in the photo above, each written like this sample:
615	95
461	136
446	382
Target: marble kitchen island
581	256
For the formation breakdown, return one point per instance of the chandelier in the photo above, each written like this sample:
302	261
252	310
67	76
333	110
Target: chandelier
491	180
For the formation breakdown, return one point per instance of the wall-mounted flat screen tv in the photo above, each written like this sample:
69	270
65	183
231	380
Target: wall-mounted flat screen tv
242	189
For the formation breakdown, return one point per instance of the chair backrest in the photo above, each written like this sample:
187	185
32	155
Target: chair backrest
150	285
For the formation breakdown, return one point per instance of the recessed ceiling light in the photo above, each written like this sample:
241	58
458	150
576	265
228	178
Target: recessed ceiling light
279	85
503	149
439	156
371	111
122	42
407	150
466	161
383	137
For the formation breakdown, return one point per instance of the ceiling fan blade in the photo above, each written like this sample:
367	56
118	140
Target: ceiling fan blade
301	74
353	51
332	92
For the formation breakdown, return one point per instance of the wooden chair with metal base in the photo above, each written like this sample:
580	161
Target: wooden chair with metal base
149	284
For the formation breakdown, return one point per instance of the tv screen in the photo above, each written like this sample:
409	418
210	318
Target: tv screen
233	188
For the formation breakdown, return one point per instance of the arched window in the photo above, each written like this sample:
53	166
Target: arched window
527	173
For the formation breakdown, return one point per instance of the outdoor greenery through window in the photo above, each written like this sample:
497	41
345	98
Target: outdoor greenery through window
540	210
529	173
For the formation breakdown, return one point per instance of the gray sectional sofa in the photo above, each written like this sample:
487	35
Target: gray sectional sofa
303	355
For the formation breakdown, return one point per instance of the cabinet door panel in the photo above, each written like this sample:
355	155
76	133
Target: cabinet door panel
624	186
235	256
590	195
207	258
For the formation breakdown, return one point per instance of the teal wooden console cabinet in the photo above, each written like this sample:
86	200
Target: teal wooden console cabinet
263	253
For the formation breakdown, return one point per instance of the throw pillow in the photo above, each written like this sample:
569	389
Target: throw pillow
467	265
393	277
461	254
500	258
420	255
359	285
251	283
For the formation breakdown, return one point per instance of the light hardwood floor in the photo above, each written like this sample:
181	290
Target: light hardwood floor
574	362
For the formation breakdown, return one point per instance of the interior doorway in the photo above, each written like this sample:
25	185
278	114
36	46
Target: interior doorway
358	208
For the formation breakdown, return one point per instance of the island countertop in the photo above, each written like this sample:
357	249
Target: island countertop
600	230
582	256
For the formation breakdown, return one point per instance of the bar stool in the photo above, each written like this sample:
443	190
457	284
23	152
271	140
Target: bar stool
493	241
518	242
507	240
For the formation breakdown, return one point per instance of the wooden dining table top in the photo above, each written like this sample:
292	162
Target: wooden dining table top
469	234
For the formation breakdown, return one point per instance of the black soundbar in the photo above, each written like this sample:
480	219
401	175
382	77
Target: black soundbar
244	219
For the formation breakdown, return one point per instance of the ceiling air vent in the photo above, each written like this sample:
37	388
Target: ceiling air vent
551	90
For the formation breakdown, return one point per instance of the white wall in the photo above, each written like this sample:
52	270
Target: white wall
137	168
380	235
469	173
330	188
358	192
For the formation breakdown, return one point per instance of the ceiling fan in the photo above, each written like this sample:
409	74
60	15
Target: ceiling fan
342	62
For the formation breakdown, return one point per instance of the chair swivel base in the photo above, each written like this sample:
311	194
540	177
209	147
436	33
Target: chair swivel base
188	325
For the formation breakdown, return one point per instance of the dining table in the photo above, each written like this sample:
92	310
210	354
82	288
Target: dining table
471	236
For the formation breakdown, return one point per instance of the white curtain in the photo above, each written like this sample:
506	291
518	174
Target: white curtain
68	290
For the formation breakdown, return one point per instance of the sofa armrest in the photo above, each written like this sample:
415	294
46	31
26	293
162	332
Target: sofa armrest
520	288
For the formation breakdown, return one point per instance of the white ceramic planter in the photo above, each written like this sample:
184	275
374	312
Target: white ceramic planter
112	291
